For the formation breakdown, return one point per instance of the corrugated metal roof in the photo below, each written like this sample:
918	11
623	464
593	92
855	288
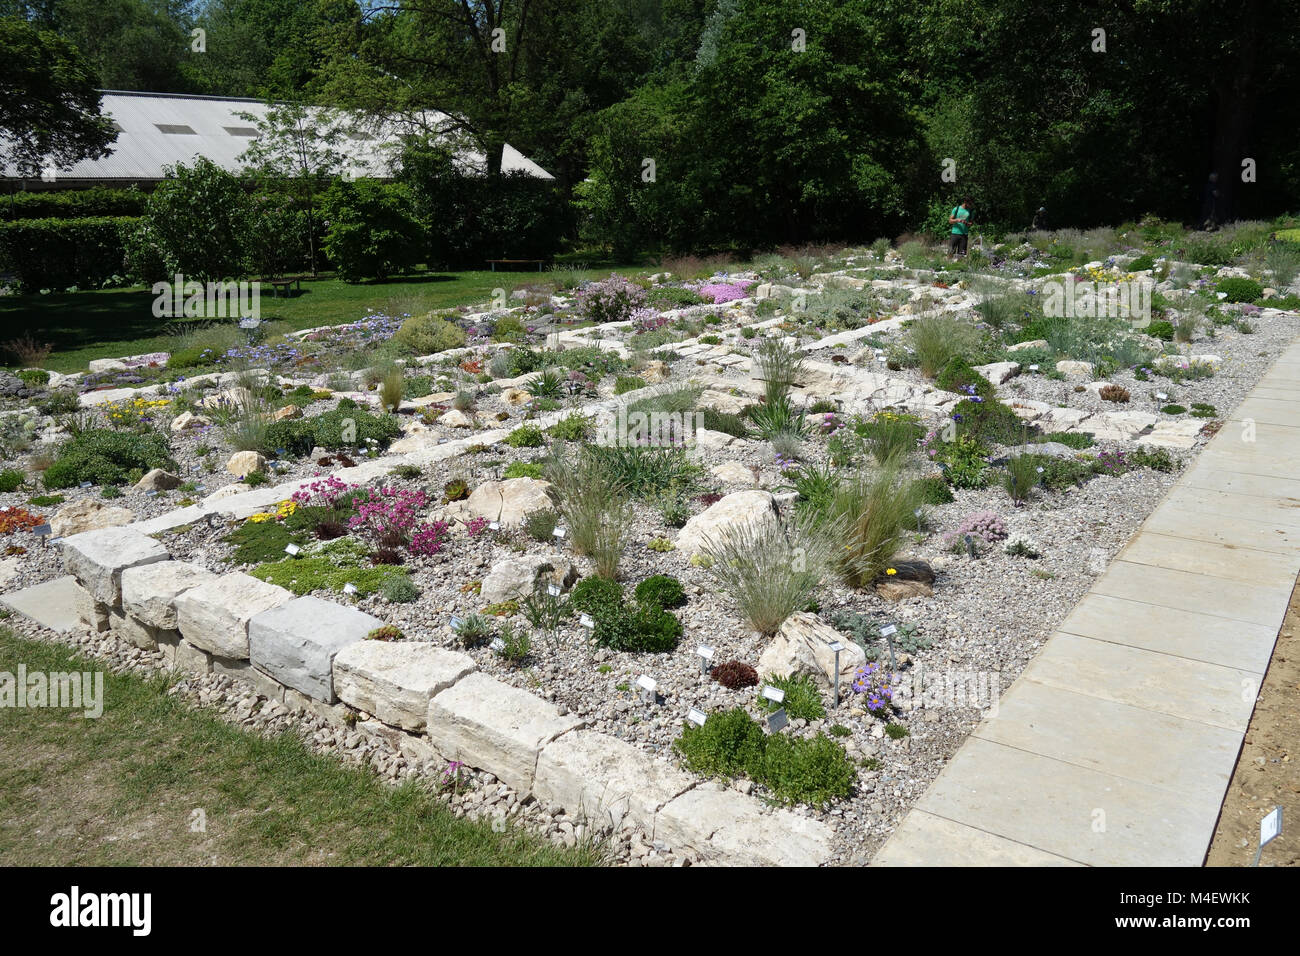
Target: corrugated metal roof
154	135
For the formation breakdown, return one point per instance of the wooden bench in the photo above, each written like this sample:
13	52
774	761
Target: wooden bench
493	262
283	282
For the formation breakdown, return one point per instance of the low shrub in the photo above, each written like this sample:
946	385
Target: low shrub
958	376
323	573
399	589
11	479
661	590
106	457
526	436
297	436
796	770
1160	329
1157	459
933	491
1113	393
522	469
628	383
1240	290
428	334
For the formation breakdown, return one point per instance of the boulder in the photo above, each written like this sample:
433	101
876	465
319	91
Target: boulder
455	419
725	402
734	473
88	514
518	578
511	500
189	420
802	647
736	509
156	479
295	643
704	438
1034	344
396	680
289	411
98	558
244	463
654	371
214	616
149	592
495	727
516	396
998	372
1072	369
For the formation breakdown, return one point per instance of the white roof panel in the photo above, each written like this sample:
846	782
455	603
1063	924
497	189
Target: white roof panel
142	150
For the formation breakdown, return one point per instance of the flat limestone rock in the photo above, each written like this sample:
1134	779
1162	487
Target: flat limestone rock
149	592
395	680
605	779
495	727
736	509
295	643
98	558
728	827
214	616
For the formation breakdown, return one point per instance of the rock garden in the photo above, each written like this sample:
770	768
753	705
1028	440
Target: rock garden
740	522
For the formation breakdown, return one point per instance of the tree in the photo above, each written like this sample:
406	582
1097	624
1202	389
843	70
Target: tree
372	233
299	144
198	219
49	107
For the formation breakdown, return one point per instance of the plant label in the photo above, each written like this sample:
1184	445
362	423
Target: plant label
705	652
586	621
349	588
835	646
1033	368
1161	395
41	530
292	550
1270	828
85	484
777	721
497	644
455	622
696	716
647	683
775	694
559	533
553	590
889	630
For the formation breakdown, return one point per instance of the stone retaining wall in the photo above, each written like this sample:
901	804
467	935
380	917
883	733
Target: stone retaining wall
313	654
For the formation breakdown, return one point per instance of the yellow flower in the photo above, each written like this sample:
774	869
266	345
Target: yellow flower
891	571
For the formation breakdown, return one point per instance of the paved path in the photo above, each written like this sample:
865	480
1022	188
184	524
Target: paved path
1116	745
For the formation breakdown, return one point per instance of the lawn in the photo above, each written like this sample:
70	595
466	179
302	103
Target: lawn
122	790
114	322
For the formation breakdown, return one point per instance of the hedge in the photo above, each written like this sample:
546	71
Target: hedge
57	253
72	204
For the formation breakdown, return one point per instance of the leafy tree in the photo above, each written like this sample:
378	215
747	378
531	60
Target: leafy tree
198	220
372	233
301	145
49	107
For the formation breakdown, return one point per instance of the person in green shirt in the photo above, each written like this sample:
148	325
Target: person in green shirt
959	219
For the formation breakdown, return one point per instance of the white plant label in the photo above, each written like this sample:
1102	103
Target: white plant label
292	550
696	716
888	631
774	694
1270	828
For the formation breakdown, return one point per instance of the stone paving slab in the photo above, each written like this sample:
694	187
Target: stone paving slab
1176	686
1276	513
1254	604
1172	519
1230	563
1242	482
1083	815
1176	631
1109	736
52	604
923	837
1266	410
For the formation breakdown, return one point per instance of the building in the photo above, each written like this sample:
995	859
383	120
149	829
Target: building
156	130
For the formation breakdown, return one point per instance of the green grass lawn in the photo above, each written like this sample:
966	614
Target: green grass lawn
109	323
122	789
